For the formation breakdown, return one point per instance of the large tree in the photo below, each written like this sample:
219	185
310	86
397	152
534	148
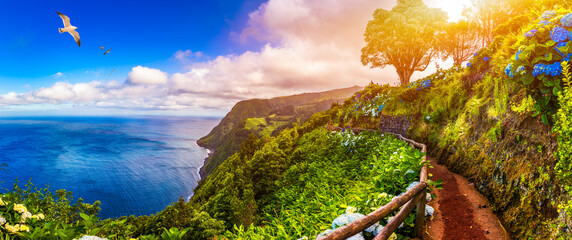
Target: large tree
489	14
404	37
459	41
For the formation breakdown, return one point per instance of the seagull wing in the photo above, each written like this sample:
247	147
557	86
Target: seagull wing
66	19
75	36
107	51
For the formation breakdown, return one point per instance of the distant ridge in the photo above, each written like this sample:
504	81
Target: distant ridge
264	117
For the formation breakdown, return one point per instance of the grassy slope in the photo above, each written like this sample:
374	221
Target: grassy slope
263	117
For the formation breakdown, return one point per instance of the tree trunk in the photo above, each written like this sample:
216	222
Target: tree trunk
404	76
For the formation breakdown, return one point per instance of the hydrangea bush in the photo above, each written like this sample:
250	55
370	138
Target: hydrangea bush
536	62
366	106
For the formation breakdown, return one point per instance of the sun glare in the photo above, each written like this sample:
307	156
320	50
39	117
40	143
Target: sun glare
453	8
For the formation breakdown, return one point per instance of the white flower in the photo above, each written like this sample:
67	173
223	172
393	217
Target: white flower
2	220
351	209
429	210
24	216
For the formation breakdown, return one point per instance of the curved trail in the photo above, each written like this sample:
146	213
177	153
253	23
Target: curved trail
461	212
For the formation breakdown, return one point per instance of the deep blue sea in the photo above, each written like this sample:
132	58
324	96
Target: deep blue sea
134	166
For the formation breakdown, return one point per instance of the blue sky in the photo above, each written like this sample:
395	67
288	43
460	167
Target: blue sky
179	57
139	33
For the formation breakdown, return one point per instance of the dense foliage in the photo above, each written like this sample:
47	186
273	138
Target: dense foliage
536	63
563	129
329	172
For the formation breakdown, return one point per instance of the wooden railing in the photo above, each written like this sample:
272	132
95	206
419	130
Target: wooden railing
407	201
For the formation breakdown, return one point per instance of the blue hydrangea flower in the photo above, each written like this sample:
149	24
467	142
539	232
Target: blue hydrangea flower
371	228
548	15
544	23
559	34
538	69
531	33
377	230
468	64
474	55
358	236
566	20
517	53
324	233
508	70
521	70
554	69
411	185
345	219
429	210
486	59
381	107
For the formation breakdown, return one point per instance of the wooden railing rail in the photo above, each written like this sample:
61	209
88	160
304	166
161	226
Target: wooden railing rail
407	201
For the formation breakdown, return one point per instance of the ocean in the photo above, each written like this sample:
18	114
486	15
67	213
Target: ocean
134	166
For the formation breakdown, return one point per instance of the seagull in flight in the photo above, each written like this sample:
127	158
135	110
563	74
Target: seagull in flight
101	47
69	28
107	51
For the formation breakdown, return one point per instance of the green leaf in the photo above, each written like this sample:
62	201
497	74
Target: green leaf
537	59
556	89
545	118
527	79
84	216
548	82
550	43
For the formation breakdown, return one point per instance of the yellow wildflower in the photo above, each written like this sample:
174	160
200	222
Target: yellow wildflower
2	203
11	229
38	216
22	227
20	208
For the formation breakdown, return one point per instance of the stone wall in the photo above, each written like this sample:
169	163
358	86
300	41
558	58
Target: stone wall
394	124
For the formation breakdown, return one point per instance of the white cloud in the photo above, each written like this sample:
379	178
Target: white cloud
315	46
145	75
185	56
58	75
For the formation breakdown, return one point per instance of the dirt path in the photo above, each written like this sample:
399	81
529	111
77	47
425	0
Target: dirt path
461	212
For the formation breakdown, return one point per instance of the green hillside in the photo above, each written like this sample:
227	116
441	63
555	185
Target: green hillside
264	117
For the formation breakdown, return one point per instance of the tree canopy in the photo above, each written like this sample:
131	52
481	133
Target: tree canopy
459	41
404	37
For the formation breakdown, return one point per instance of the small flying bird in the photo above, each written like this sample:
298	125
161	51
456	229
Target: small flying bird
69	28
107	51
101	47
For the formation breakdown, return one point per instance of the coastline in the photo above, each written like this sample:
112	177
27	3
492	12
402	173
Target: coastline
200	169
209	153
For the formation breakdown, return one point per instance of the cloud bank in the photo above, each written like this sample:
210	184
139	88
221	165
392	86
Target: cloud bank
308	45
